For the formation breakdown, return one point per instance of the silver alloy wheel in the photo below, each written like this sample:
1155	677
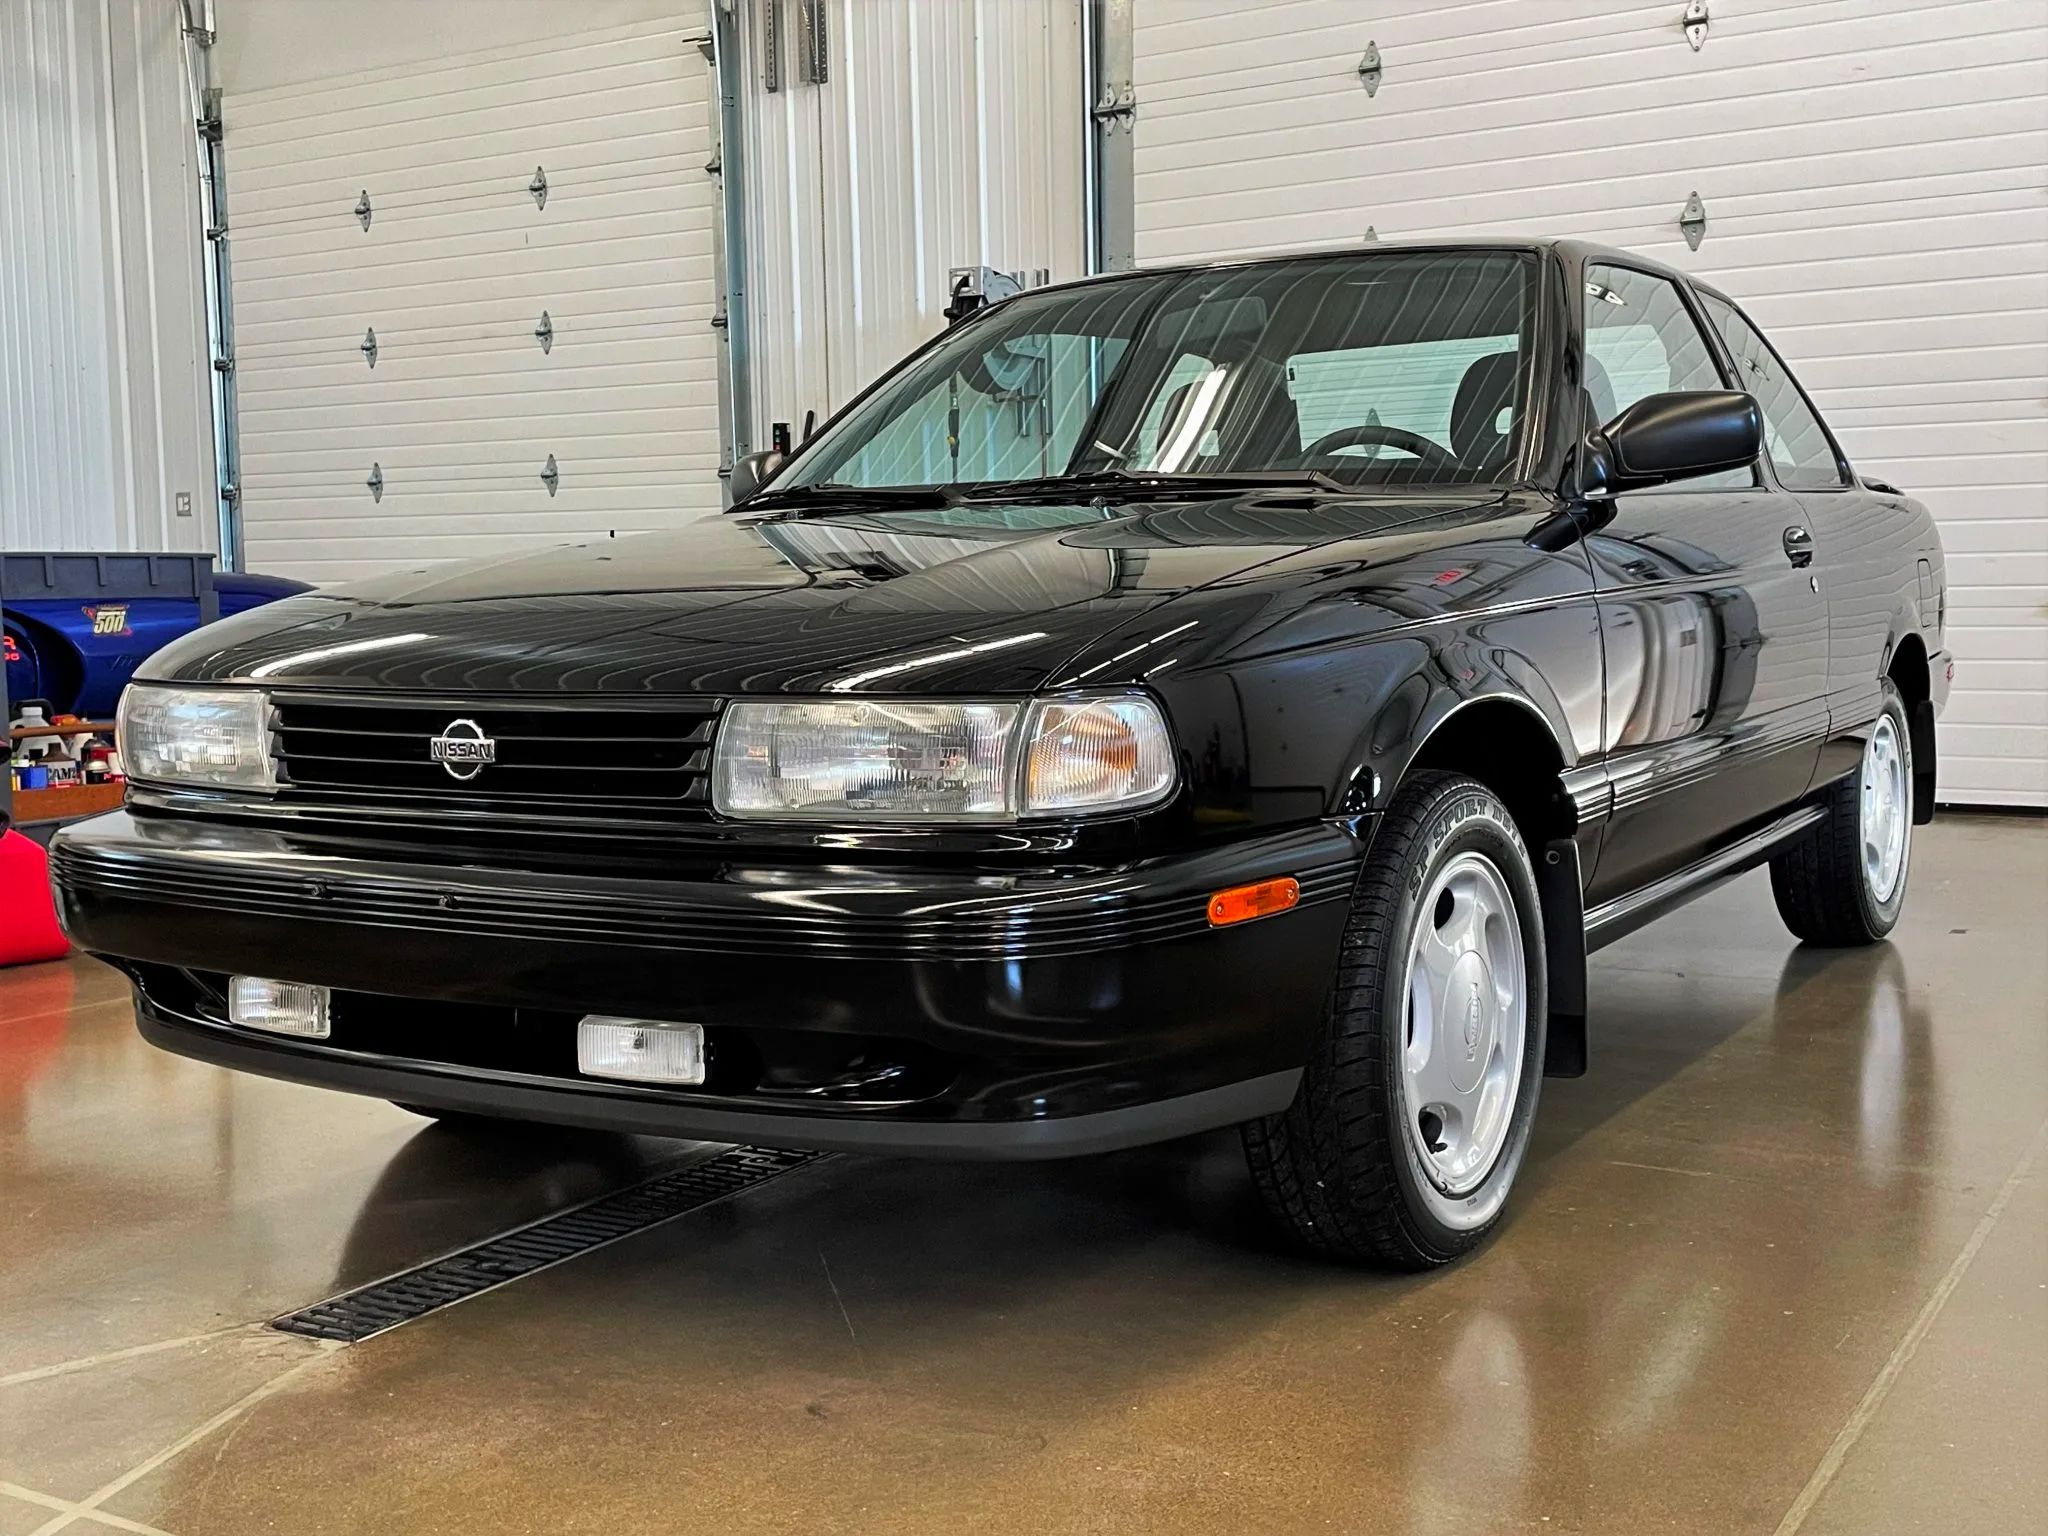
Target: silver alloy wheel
1467	1027
1886	810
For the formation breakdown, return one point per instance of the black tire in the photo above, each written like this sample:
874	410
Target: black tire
1823	890
1337	1168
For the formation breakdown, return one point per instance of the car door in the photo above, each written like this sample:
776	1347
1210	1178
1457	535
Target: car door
1713	629
1865	547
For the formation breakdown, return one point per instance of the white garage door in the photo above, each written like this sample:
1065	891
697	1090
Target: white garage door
1871	175
468	433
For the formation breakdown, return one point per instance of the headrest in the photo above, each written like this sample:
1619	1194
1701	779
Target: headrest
1487	389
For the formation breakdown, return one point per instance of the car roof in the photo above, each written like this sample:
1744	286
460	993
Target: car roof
1566	248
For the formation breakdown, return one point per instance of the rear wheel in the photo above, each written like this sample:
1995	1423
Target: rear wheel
1844	883
1414	1110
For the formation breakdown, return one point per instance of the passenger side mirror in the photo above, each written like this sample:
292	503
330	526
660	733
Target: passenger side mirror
1673	436
751	471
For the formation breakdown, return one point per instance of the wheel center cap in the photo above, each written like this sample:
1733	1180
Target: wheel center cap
1469	1015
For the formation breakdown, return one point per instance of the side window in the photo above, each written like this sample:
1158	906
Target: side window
1642	340
1798	444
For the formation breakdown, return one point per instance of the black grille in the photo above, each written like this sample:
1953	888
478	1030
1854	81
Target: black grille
587	760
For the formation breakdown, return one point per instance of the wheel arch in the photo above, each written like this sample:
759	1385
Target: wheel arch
1908	666
1511	745
1504	740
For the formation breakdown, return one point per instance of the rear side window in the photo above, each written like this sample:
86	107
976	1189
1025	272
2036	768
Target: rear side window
1642	340
1798	444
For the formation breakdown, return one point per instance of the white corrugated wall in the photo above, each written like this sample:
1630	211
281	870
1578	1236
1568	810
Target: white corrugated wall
946	133
1873	176
105	415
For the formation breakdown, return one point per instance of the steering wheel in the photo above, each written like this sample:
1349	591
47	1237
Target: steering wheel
1432	455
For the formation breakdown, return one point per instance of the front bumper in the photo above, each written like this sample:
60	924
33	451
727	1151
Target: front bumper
1016	1015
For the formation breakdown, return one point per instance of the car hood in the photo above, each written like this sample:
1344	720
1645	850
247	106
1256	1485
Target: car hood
979	596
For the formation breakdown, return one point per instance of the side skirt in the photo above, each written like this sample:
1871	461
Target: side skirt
1615	919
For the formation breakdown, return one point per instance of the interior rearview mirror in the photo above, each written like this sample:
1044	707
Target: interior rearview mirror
1672	436
751	471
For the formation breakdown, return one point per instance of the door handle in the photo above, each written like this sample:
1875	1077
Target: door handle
1798	546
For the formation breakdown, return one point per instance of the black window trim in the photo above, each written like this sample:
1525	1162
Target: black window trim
1846	471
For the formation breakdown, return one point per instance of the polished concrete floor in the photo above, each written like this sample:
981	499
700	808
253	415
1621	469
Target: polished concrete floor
1780	1263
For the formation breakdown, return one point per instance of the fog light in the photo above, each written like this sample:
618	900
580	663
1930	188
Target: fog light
640	1050
281	1007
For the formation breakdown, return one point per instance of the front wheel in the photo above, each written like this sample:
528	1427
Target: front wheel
1414	1110
1844	882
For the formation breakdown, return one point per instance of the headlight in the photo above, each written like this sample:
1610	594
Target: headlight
213	738
881	760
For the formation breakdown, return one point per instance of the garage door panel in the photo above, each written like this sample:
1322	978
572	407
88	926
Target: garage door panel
1879	301
1921	442
666	453
2026	644
475	158
405	191
2021	574
556	411
1447	119
1205	41
480	510
481	231
1872	180
508	439
1347	160
1928	365
613	309
413	91
1997	689
399	395
2017	420
463	407
630	354
1860	177
1979	535
2011	741
513	276
1861	395
332	134
1995	781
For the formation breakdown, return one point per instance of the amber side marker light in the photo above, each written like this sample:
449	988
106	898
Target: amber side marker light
1242	903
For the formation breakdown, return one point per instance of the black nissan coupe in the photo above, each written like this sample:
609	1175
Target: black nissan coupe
1224	695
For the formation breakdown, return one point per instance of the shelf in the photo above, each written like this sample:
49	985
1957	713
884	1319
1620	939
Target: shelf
66	802
75	728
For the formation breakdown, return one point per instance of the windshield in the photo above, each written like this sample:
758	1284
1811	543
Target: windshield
1398	368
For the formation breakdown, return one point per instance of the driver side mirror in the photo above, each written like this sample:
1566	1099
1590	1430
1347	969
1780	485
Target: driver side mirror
1672	436
751	471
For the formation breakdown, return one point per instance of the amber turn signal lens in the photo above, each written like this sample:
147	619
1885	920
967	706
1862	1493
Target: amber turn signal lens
1241	903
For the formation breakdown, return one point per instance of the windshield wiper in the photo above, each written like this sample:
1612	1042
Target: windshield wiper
833	496
1123	482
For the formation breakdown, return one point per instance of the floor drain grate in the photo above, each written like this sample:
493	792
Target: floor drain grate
356	1315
